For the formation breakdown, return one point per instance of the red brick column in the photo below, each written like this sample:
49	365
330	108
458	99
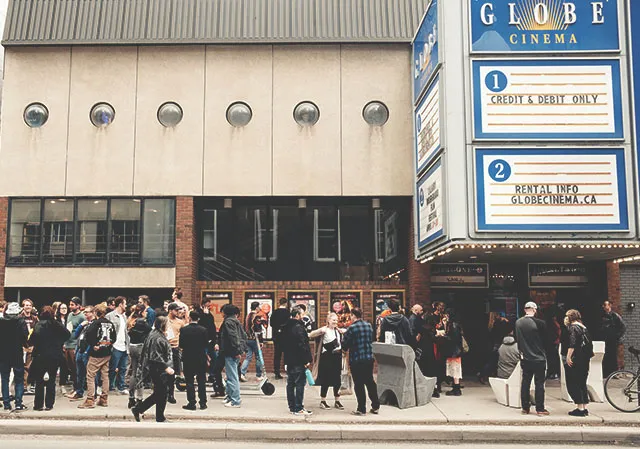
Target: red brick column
613	294
186	249
4	215
418	274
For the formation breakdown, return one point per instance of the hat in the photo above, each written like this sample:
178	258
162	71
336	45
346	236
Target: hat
12	309
531	305
174	306
76	300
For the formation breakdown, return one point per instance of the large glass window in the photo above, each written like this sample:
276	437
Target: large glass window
92	231
159	232
24	246
57	246
125	231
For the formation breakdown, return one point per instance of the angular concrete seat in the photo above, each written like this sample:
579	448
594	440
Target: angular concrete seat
507	391
399	376
595	382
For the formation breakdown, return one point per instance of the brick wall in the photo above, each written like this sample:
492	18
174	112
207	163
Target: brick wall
629	276
186	249
4	209
418	273
280	289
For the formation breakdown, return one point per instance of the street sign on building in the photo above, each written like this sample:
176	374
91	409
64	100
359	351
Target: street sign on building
551	189
542	99
544	26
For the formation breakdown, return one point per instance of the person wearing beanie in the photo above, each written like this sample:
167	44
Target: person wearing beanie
13	335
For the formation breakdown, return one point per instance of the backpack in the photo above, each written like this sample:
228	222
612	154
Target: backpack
587	345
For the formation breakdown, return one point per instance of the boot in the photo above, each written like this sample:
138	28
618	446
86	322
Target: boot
88	403
132	403
103	400
456	391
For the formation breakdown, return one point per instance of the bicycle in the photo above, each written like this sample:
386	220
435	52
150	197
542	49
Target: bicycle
621	388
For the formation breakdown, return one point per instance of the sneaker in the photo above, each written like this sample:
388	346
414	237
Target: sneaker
203	406
525	411
217	395
586	412
132	403
124	392
436	393
243	378
30	391
338	405
7	408
577	412
375	411
226	400
75	397
136	414
358	413
303	412
189	407
88	403
171	400
20	408
324	405
231	405
260	378
544	412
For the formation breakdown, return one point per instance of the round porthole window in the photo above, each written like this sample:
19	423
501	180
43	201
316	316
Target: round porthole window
170	114
306	114
375	113
239	114
102	115
35	115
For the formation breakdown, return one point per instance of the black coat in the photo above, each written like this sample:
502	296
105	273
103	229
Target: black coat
13	337
295	344
208	322
233	339
193	342
156	356
47	340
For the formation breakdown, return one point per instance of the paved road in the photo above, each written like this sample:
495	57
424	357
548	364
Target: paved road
10	442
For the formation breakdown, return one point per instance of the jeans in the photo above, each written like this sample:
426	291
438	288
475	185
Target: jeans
159	395
233	382
119	361
218	366
610	360
18	378
177	363
529	370
296	381
252	349
199	372
135	352
81	372
46	391
576	377
362	373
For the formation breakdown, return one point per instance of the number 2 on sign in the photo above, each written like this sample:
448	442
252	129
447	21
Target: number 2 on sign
499	170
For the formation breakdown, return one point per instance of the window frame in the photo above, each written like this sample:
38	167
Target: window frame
75	262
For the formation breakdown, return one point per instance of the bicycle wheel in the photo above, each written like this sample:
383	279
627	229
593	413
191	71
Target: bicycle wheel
621	390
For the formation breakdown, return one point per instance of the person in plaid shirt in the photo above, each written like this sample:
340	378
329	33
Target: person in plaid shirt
358	341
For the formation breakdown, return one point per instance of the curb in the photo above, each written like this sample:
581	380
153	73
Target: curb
326	432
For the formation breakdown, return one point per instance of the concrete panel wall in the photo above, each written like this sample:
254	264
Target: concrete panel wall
169	159
90	277
306	160
33	160
102	155
237	161
374	159
204	155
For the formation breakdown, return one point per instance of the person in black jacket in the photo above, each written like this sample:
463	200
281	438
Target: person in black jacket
576	368
279	318
398	324
156	363
13	337
297	357
47	340
194	340
233	343
139	329
611	329
207	320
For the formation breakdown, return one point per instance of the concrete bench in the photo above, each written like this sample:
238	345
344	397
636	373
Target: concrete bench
507	391
595	383
400	376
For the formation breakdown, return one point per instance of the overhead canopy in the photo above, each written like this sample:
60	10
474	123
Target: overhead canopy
156	22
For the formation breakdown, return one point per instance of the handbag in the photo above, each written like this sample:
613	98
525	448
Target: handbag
465	345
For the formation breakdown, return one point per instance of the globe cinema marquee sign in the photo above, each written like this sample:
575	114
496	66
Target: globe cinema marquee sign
544	26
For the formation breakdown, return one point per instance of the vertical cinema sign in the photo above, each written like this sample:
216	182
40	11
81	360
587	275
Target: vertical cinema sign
502	26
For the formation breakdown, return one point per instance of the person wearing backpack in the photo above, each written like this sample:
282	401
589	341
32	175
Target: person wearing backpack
576	367
100	337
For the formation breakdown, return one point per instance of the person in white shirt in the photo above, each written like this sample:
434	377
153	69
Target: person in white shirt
120	353
327	366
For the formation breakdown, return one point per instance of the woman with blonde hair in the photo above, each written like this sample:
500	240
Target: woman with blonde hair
327	365
576	367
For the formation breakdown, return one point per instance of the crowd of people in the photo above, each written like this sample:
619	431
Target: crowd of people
120	348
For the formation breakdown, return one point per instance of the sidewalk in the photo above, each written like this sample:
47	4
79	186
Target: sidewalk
477	406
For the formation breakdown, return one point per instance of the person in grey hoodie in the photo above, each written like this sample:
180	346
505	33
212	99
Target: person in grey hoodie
398	324
508	356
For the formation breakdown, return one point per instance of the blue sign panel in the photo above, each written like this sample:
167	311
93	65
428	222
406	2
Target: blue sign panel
425	50
427	123
551	189
635	57
501	26
430	206
546	99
